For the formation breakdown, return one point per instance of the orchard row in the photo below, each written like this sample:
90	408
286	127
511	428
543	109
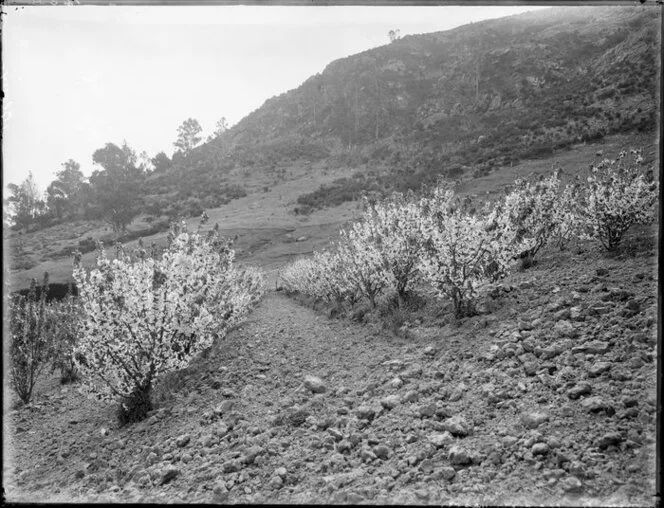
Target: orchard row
459	249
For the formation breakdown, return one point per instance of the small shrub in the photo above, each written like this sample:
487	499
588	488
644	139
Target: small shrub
29	329
619	193
66	317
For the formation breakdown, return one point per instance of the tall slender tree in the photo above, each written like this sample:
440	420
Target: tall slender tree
25	202
188	136
63	195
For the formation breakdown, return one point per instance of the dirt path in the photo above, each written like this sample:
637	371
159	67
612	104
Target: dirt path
548	399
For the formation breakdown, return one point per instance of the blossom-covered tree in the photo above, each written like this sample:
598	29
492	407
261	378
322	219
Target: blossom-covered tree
147	316
620	193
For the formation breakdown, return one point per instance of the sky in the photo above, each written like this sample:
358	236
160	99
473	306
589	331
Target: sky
78	77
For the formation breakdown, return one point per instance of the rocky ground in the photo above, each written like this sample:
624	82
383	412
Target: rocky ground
548	399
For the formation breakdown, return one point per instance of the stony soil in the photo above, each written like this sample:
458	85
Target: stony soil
548	399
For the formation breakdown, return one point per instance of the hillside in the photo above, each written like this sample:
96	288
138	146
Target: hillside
524	83
468	104
549	399
459	103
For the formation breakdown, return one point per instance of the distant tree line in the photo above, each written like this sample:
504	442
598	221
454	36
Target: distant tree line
114	192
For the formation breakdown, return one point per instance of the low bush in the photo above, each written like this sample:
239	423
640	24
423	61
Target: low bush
29	345
619	194
65	318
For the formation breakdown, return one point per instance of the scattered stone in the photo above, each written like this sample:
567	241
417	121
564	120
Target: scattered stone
390	401
630	401
382	452
428	410
231	466
429	351
367	455
621	375
225	407
314	384
618	295
182	440
365	412
596	404
168	474
534	419
531	368
457	393
540	449
599	368
447	473
630	412
459	455
596	347
151	459
579	389
577	468
411	396
414	371
564	328
338	436
344	446
397	382
252	453
608	439
457	426
576	313
297	417
276	483
633	306
571	484
440	440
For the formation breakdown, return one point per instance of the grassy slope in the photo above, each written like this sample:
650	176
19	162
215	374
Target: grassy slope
268	231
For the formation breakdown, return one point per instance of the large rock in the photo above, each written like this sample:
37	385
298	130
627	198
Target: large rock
564	328
609	439
579	389
314	384
596	405
457	426
534	419
571	484
390	401
596	347
459	456
182	440
168	474
382	452
414	370
540	449
427	410
599	368
441	439
365	412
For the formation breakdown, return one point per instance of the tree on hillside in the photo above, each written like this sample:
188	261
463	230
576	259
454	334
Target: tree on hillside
116	188
220	127
25	202
188	136
161	163
63	194
394	35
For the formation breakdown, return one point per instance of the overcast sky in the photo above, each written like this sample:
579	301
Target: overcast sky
76	78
